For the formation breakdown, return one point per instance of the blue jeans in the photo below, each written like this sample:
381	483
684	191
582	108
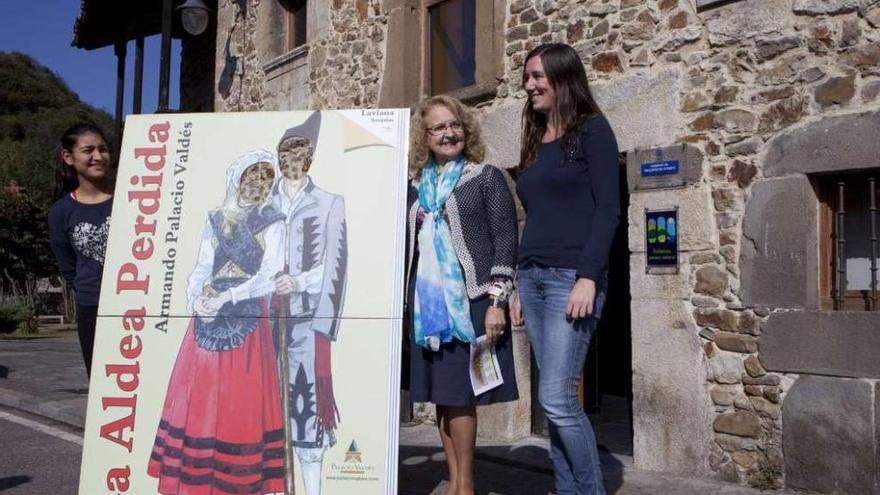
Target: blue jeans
560	348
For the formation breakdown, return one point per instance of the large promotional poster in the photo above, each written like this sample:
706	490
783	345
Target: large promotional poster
249	328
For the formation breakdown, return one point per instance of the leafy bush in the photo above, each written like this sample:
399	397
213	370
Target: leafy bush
17	317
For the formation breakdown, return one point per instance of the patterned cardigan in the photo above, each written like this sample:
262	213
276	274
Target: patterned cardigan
482	221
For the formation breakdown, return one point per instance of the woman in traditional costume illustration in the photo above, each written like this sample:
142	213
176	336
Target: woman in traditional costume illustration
221	430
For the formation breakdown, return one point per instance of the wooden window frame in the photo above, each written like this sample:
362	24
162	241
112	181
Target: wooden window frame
853	299
489	42
826	241
290	8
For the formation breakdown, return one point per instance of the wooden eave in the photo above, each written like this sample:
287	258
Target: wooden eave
105	22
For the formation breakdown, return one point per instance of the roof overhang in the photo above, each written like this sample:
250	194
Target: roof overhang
105	22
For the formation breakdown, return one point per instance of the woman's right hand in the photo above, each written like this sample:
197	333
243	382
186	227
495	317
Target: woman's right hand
516	318
285	284
202	308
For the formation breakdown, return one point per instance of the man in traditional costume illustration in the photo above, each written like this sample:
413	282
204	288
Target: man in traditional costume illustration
311	290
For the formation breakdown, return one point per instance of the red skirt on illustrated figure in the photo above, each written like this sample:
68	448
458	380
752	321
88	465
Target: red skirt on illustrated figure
221	430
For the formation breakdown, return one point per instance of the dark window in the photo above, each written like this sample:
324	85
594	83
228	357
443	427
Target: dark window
702	4
451	46
296	23
849	246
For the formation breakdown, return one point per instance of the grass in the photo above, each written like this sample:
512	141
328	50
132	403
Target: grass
42	332
767	477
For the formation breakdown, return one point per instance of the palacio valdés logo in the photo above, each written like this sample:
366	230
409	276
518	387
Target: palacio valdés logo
353	467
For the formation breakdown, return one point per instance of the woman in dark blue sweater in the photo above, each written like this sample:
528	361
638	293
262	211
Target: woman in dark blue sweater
568	185
80	220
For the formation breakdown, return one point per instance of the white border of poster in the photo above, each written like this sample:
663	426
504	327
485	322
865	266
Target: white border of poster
187	350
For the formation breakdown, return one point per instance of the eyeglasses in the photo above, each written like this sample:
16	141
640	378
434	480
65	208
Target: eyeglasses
436	130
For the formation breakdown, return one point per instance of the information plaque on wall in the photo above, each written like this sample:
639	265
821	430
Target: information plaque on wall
661	241
667	167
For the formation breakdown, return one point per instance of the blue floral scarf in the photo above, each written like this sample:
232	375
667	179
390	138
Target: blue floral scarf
442	311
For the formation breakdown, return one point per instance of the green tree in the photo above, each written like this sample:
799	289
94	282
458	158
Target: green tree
36	106
25	254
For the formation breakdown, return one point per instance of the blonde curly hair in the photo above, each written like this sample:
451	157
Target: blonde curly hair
474	151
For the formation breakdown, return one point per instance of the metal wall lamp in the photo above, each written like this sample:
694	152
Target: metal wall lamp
194	16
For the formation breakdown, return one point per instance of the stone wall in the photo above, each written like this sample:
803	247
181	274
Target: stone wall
241	81
341	66
725	80
346	65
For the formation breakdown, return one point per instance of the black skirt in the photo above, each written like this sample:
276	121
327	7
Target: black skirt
442	377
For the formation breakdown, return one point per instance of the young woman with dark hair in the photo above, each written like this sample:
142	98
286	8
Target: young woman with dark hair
568	185
80	220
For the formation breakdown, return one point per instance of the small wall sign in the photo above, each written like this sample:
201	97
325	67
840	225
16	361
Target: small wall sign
653	169
663	168
661	240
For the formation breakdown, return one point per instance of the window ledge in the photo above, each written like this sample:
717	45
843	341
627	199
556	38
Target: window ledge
283	61
708	4
475	93
830	343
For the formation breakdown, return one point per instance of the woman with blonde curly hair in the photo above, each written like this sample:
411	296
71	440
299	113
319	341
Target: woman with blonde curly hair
462	252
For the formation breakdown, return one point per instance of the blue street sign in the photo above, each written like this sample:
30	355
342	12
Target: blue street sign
651	169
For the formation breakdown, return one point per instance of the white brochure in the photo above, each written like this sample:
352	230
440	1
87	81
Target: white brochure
484	370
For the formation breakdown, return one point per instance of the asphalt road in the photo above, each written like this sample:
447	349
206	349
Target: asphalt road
37	456
40	457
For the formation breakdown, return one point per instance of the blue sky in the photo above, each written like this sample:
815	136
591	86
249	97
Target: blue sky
44	29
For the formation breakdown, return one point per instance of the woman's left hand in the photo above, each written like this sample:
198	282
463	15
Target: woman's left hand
495	323
213	304
580	301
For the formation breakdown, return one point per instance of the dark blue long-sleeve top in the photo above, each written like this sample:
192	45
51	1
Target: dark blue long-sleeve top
78	236
572	202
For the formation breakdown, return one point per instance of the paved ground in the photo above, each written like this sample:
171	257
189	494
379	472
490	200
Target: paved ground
45	377
523	468
43	381
44	459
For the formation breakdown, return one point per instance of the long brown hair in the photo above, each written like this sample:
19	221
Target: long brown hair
66	179
574	101
474	151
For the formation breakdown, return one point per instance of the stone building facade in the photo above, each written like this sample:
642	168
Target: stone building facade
740	371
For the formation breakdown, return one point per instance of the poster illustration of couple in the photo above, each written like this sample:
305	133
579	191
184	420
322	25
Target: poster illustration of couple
249	323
